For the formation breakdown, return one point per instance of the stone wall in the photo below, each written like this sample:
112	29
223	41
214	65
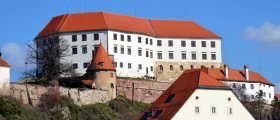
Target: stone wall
143	91
166	74
31	94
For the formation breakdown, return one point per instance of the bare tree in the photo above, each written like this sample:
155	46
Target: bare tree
48	54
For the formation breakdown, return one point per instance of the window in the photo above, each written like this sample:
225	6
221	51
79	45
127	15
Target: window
139	39
129	51
213	109
139	66
121	64
96	36
171	67
74	50
147	53
194	56
122	50
204	56
146	115
229	110
75	66
233	85
170	43
171	55
252	97
129	65
159	55
264	94
184	56
116	64
122	37
158	112
252	86
128	38
115	37
147	41
160	67
196	110
84	49
183	43
169	98
86	65
213	56
151	41
74	38
151	54
193	43
213	44
112	75
139	52
84	37
181	67
115	49
269	95
203	43
152	68
159	43
243	86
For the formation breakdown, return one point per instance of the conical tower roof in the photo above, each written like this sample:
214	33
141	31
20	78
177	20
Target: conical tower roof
101	60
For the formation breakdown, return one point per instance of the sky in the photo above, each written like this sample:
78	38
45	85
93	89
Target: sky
250	30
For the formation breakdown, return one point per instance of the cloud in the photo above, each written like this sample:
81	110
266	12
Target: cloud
267	33
14	54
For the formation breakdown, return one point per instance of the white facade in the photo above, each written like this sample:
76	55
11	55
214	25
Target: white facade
135	65
252	89
4	78
213	104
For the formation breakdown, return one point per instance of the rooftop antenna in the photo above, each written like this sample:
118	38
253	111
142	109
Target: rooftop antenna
67	6
85	5
185	14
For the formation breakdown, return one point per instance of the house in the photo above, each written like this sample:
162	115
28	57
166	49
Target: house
142	48
4	74
250	82
197	95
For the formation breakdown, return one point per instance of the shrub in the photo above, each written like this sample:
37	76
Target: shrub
9	106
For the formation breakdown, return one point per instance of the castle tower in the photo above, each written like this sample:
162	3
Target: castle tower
102	72
4	74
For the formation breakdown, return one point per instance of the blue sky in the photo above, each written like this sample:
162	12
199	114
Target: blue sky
250	29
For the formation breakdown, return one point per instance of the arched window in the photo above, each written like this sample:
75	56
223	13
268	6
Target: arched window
212	66
171	67
181	67
192	67
161	67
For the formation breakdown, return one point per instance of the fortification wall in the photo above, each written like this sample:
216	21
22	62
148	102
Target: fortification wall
142	91
31	94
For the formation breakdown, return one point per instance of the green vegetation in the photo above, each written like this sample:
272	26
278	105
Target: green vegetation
65	109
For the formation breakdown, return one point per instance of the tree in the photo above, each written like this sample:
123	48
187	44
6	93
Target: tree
276	109
48	54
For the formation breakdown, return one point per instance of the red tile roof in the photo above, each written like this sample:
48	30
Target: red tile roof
3	63
182	88
92	21
237	75
101	60
87	82
277	96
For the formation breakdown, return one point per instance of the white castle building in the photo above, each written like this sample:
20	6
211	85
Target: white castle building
141	47
4	74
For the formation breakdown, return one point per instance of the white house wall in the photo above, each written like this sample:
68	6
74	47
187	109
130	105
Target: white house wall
4	77
212	98
267	89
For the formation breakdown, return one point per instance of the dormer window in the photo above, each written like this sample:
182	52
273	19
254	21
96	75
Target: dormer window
100	63
158	112
169	98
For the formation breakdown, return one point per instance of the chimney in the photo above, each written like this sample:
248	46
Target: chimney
246	70
226	70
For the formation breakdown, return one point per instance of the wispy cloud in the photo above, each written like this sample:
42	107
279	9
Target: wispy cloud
267	33
15	55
